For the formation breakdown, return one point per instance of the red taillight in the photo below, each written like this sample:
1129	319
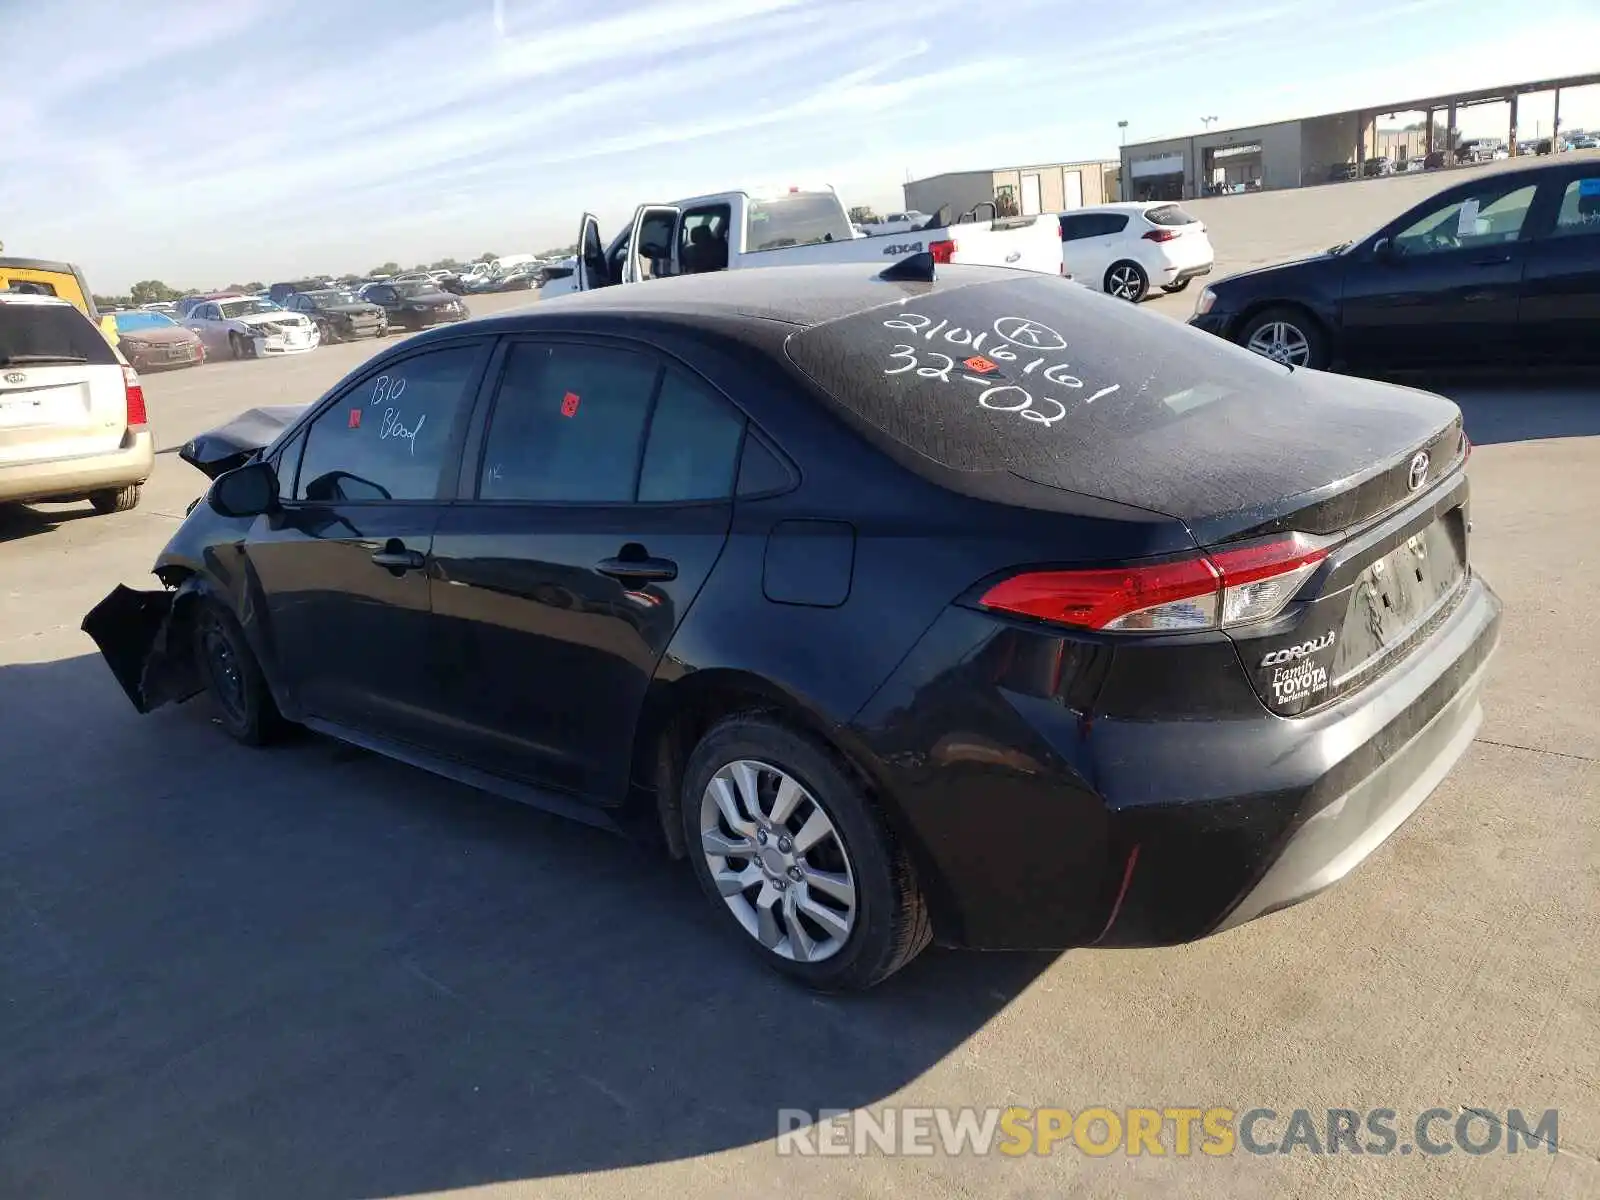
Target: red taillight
134	392
943	251
1227	587
1160	235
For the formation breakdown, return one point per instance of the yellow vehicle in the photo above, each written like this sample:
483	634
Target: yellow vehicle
38	277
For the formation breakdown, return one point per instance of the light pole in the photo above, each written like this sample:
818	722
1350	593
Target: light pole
1122	174
1207	122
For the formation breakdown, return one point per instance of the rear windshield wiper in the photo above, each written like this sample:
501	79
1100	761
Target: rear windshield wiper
8	360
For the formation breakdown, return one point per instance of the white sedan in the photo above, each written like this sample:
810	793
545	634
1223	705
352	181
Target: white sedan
248	327
1127	249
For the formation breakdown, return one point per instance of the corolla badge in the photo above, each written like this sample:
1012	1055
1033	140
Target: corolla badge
16	377
1291	653
1419	470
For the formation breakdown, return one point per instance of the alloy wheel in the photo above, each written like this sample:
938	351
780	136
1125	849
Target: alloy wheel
1282	343
1125	283
778	861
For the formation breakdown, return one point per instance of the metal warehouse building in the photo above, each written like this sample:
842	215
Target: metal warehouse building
1055	187
1310	150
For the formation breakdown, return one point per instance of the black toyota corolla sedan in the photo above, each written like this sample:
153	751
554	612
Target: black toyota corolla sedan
980	608
1503	269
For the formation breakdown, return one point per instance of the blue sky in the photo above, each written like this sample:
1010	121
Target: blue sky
220	140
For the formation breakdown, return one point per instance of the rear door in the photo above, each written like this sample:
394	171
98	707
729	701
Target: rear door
1089	244
62	393
596	501
1448	288
344	567
652	246
1561	290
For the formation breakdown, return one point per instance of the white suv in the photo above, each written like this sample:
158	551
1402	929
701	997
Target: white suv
72	416
1127	249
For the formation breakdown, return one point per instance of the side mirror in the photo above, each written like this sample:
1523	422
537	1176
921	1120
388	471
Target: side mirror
246	491
1383	251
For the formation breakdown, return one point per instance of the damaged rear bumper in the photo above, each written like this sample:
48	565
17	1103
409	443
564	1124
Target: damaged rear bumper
145	641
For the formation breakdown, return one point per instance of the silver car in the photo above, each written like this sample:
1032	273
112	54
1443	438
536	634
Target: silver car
72	416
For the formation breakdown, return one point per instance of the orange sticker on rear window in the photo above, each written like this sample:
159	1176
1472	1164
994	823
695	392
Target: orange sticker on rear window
569	404
355	418
980	364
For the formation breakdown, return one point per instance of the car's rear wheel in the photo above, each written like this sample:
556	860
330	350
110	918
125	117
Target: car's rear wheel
1290	336
1172	289
1126	280
115	500
786	843
232	676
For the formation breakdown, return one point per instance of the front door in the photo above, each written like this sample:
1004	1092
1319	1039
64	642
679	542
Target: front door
1446	288
344	567
1561	294
598	507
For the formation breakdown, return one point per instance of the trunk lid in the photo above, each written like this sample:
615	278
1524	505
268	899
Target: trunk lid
979	378
62	393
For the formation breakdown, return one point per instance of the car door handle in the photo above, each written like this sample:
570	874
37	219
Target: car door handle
395	557
1491	260
638	570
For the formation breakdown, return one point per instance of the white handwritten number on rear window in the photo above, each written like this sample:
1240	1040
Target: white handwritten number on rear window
1012	334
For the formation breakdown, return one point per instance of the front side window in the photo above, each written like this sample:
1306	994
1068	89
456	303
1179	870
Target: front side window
567	424
1487	217
1579	214
386	438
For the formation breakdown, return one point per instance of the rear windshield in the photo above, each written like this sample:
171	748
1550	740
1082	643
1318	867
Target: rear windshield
1032	375
44	333
1169	214
798	219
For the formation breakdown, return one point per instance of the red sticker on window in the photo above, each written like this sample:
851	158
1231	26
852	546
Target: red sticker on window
980	364
569	404
355	418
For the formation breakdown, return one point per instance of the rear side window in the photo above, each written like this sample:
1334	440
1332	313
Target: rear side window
693	445
1026	375
50	333
798	219
1169	214
567	425
1579	214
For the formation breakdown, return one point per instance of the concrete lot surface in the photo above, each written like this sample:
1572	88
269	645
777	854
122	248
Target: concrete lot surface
310	972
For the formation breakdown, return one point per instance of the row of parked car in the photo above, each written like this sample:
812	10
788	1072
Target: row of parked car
290	318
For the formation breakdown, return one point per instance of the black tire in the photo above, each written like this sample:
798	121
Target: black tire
1126	280
115	500
1172	289
239	347
1301	323
891	923
330	333
232	676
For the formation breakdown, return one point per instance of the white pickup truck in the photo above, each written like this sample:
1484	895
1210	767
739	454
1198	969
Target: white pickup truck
792	228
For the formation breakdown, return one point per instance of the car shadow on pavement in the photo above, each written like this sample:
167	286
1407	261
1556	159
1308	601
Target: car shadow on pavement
307	971
1523	407
26	520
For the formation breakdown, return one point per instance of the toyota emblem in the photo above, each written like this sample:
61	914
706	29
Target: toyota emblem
16	377
1419	470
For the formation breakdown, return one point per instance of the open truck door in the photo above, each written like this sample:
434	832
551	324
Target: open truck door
653	244
590	271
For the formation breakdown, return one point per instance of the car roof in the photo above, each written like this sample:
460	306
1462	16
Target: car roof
800	296
1121	206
